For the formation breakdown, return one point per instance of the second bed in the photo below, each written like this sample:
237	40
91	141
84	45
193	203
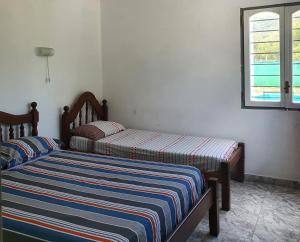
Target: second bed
215	157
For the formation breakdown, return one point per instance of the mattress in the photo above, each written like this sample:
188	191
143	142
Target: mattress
70	196
205	153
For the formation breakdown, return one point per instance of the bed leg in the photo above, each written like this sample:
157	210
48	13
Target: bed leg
239	169
214	223
225	182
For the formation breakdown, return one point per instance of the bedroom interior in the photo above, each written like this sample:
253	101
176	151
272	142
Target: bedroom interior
148	120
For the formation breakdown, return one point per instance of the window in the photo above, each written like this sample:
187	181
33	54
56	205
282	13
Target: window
271	56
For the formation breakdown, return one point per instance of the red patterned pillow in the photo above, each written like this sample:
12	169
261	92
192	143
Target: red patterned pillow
90	132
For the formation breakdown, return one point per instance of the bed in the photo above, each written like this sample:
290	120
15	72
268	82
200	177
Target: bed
219	158
75	196
203	152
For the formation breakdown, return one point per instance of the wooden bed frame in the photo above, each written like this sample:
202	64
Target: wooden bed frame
207	203
11	121
234	168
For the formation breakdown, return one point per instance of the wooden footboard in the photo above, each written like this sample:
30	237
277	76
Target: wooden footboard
235	169
207	202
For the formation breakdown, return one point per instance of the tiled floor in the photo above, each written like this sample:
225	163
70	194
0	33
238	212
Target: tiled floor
259	212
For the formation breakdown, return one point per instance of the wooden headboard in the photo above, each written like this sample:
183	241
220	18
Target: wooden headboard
84	110
15	124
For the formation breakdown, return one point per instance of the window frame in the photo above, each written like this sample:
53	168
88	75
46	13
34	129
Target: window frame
286	103
289	54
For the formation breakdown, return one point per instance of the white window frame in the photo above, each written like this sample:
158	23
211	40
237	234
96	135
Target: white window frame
289	55
285	12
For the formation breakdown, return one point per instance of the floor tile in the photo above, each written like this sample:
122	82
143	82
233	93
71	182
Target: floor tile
268	232
259	212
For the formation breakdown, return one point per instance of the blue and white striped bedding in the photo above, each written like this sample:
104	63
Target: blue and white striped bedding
69	196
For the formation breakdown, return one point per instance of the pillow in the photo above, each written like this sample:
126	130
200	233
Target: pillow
8	161
4	161
98	129
17	151
90	132
41	145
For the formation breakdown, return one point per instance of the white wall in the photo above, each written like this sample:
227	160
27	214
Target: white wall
174	65
72	28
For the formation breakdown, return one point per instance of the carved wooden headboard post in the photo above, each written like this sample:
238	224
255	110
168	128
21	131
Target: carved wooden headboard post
105	109
86	108
65	127
35	119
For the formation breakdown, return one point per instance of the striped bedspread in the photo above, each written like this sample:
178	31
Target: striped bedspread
203	152
69	196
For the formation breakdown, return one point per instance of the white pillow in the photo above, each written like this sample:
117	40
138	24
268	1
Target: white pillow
108	127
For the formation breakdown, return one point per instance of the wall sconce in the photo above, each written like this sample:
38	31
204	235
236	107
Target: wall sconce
45	52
